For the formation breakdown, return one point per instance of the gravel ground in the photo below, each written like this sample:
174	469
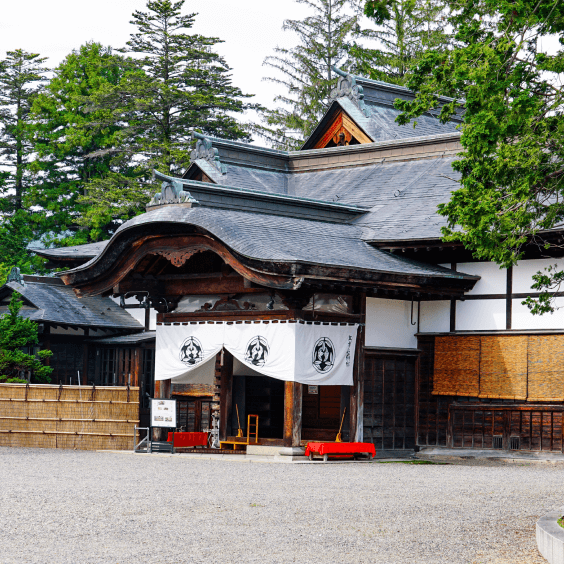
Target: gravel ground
59	507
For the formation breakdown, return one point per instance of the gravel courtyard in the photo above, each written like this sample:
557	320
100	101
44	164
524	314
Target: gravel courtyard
59	507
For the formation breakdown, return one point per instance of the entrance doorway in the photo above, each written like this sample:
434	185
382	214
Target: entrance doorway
194	415
321	412
389	402
262	396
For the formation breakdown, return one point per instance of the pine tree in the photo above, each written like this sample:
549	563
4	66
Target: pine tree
21	74
305	71
72	150
405	29
180	84
16	334
21	77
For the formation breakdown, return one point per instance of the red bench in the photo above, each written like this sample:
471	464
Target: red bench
184	440
325	450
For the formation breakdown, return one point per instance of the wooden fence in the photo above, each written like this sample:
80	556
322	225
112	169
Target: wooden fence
73	417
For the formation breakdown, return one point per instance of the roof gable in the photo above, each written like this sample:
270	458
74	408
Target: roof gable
370	115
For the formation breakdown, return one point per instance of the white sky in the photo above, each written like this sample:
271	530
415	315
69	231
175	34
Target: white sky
251	30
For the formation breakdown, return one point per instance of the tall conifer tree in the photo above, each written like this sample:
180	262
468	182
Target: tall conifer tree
179	84
304	71
405	30
21	76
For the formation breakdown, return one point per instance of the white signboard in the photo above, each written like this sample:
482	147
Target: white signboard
163	413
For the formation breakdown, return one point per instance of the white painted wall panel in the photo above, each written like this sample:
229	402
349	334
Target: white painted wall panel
435	317
480	315
139	314
388	324
523	273
522	318
493	281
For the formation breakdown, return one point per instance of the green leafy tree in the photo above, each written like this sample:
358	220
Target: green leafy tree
16	334
305	72
71	149
179	84
405	29
512	167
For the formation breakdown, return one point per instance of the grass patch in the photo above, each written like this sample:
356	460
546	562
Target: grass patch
561	522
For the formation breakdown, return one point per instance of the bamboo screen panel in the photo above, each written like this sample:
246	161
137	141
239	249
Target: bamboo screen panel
457	365
546	368
503	367
75	417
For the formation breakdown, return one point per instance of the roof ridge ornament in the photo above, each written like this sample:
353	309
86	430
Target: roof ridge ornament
347	87
172	192
15	276
205	150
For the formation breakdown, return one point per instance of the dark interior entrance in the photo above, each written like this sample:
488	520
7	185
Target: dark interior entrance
262	396
389	402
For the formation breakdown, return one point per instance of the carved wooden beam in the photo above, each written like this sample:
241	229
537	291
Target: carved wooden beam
175	249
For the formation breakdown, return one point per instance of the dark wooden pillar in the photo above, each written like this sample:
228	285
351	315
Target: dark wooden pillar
226	396
136	367
85	350
357	390
292	414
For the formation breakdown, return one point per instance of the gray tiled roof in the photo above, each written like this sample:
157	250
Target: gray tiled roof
402	196
77	252
272	238
58	304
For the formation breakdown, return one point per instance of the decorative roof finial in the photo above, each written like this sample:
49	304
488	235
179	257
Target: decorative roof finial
172	192
204	150
15	276
347	86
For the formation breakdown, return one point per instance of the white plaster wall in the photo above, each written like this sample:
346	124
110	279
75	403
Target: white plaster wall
480	315
523	273
139	314
388	324
493	281
435	317
522	318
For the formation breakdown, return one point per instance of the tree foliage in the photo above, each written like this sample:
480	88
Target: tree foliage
70	147
404	31
177	83
21	73
512	167
304	71
16	334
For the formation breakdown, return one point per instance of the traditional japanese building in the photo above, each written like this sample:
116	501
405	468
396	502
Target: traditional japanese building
93	340
310	285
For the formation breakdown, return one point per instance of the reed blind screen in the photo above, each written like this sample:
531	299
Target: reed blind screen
516	367
503	367
457	366
546	368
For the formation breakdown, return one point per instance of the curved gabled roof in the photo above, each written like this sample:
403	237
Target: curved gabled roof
272	244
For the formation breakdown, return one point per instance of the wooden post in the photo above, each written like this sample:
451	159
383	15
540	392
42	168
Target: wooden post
357	390
226	396
292	414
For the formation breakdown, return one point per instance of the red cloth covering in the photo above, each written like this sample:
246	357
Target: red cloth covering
188	439
340	448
